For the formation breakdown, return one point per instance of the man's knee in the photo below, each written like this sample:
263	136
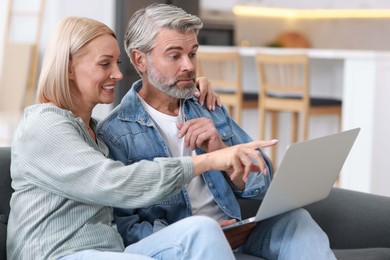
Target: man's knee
299	219
200	222
300	215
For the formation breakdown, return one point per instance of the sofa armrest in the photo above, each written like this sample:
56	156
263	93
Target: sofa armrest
5	195
353	219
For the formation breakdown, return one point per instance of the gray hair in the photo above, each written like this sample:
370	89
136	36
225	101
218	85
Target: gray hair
146	23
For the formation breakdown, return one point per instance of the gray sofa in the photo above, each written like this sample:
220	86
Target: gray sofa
358	224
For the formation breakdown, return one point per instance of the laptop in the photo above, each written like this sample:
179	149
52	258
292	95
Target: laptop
306	174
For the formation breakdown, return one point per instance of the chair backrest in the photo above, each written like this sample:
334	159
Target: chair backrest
223	69
284	76
5	196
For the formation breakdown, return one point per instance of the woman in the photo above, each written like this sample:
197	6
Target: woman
64	184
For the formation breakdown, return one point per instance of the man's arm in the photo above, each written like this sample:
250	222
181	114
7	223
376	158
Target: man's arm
257	183
202	133
132	228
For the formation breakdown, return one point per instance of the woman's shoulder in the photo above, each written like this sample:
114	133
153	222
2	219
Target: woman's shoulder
46	111
45	108
45	116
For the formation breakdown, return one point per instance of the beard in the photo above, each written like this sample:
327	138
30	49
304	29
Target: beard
169	87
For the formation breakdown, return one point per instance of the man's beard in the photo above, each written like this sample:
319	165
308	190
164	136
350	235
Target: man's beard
159	81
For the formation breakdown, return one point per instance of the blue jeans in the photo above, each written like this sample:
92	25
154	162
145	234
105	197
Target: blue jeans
191	238
293	235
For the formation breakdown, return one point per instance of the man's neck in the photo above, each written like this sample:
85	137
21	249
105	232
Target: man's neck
159	100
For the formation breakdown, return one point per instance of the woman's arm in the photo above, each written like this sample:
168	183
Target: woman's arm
55	154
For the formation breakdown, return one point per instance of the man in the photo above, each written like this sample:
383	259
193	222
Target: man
159	117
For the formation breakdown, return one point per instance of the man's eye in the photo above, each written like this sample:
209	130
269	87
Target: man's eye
174	57
104	64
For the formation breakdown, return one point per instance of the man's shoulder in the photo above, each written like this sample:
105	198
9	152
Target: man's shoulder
193	104
110	121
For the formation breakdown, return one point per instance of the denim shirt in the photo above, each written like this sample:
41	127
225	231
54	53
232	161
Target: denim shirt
132	136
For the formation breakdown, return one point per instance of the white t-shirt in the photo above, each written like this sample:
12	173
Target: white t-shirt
201	199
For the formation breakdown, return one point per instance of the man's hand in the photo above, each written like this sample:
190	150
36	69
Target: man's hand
201	132
238	235
206	92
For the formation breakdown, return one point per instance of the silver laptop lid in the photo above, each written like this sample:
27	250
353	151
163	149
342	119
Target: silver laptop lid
307	173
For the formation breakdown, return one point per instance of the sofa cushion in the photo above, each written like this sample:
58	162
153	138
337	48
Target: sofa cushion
354	220
344	254
5	195
363	254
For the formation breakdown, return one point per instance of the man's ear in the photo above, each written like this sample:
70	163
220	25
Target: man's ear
139	60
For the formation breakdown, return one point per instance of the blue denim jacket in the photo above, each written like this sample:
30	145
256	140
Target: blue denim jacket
132	135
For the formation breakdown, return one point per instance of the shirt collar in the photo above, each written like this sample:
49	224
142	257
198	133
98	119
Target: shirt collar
131	108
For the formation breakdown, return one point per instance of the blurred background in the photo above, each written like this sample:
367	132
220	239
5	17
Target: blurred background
347	41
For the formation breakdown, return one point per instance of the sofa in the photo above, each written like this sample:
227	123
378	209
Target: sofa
357	224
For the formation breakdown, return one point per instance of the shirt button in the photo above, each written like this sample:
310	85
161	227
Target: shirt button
257	191
224	207
211	184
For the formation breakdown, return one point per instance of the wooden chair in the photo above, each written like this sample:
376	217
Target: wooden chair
285	87
223	69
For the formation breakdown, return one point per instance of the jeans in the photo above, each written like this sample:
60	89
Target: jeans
293	235
191	238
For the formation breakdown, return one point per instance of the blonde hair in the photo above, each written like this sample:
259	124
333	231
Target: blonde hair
71	35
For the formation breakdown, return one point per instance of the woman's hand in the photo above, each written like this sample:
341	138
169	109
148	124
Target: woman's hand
206	93
237	160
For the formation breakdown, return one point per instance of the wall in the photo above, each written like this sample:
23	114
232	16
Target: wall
3	16
103	10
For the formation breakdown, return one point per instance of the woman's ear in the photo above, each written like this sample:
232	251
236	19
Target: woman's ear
70	71
139	60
